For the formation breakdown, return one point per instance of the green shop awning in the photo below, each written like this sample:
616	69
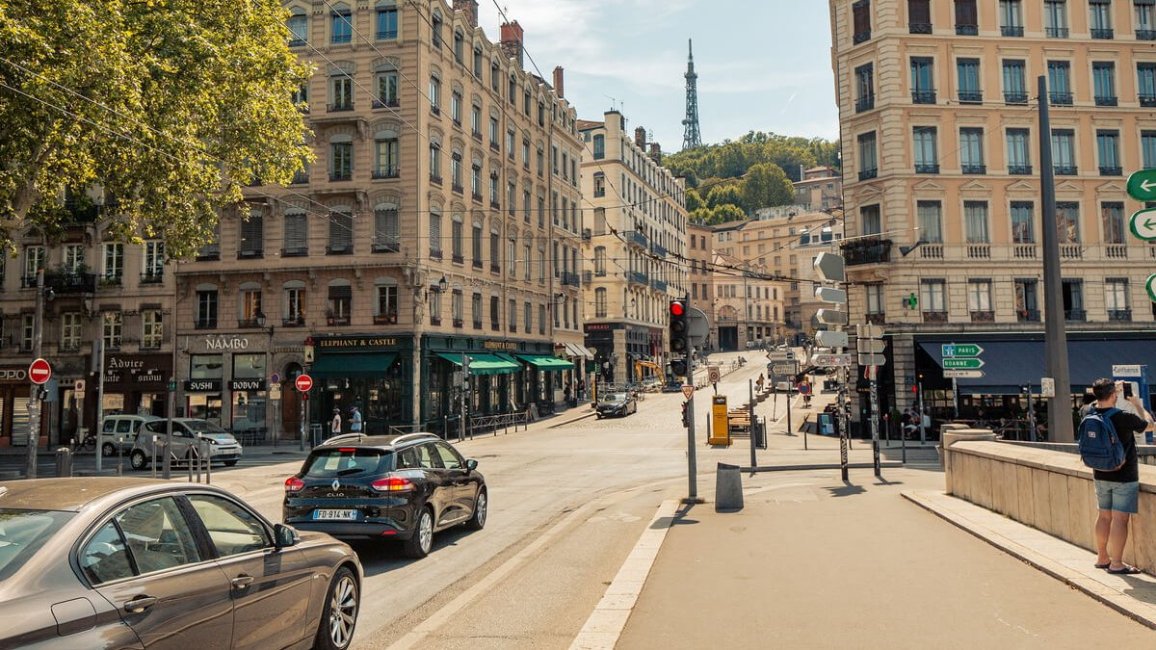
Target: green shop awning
545	362
352	365
483	364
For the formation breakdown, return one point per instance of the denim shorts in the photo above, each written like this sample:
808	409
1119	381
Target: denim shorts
1121	497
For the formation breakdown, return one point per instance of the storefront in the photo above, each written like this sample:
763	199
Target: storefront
372	372
14	403
136	384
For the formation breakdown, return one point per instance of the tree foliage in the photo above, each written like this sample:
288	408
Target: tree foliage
170	105
765	185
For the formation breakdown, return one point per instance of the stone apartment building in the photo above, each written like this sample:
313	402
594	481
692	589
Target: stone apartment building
700	276
748	306
820	188
938	104
636	242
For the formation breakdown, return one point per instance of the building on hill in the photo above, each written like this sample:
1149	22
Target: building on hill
636	242
821	188
940	132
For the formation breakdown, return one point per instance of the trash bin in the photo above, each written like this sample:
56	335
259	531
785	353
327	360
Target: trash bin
728	488
64	461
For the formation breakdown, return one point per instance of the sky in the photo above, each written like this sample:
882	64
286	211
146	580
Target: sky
763	65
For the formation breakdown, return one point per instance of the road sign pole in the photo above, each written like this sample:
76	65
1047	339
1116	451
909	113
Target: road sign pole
34	402
691	460
875	422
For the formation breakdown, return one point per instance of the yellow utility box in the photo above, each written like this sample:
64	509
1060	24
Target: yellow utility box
720	431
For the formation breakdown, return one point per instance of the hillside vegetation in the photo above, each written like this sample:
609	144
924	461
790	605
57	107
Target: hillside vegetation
729	181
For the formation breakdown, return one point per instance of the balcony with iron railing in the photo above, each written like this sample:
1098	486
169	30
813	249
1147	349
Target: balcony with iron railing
1011	31
570	279
1120	315
1019	170
1015	97
866	251
1107	100
861	37
973	168
971	97
636	238
877	318
154	276
300	178
1065	170
865	103
1146	34
923	96
658	249
868	174
966	30
341	175
64	282
1028	315
636	277
1060	97
926	168
1103	33
1111	171
339	107
1148	100
919	28
385	173
205	323
1056	32
658	285
1077	315
385	103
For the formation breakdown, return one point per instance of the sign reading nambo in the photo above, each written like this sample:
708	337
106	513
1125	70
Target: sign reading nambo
1142	185
960	350
966	363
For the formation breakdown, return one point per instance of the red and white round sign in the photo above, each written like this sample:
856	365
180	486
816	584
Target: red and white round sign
304	383
40	371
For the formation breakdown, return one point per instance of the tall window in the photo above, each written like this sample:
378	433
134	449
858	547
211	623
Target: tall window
933	295
341	161
339	303
978	296
298	29
1015	90
1022	225
528	315
971	151
1011	19
152	329
1019	155
1146	84
386	23
293	301
340	232
1108	148
457	308
1116	299
341	91
1104	83
34	257
875	299
495	252
600	302
341	29
435	29
154	261
1073	296
600	260
1064	151
112	329
1148	149
435	94
456	107
864	88
966	18
386	155
435	162
1056	18
969	81
456	237
113	262
435	235
1068	222
476	247
495	315
476	310
1027	305
252	235
1100	18
975	222
206	309
868	161
1112	221
922	80
872	222
861	16
919	16
1060	83
456	171
930	221
74	258
459	48
386	305
296	238
1144	19
70	330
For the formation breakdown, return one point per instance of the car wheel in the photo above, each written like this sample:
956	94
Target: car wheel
481	510
598	416
108	449
137	460
339	617
421	541
230	463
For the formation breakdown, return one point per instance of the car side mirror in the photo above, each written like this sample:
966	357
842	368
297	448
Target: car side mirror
284	536
471	464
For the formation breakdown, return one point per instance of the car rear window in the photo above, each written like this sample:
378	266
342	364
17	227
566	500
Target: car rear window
23	532
347	461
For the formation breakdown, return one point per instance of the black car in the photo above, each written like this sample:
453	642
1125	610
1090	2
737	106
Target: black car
621	404
404	487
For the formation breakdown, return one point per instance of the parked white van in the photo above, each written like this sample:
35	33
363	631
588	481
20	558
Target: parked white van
118	432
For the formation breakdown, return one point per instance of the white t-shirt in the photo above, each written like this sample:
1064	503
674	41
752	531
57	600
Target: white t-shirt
335	426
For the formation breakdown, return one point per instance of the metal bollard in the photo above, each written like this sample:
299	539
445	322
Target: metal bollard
728	491
63	461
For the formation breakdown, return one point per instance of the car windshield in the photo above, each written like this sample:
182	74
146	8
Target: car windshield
203	426
614	398
22	532
347	461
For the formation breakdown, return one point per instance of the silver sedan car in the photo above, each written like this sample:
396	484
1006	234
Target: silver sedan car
135	563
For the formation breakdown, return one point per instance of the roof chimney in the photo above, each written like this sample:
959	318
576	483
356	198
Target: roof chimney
511	43
558	82
640	137
470	9
656	153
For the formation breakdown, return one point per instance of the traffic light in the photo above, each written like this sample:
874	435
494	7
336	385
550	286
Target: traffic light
678	367
685	415
678	326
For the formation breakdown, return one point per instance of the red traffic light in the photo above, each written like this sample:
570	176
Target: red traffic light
677	308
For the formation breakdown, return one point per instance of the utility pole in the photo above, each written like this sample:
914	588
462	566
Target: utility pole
35	392
100	401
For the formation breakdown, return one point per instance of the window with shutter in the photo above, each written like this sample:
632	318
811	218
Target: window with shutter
340	233
386	230
296	242
435	235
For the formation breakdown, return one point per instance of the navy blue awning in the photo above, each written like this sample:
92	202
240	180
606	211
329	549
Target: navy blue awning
1010	364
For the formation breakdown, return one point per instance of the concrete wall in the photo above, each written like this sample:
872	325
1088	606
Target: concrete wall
1048	490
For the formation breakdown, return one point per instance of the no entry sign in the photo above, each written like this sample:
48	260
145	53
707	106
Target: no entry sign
304	383
40	371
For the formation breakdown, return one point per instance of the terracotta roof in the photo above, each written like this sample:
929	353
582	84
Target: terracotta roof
584	125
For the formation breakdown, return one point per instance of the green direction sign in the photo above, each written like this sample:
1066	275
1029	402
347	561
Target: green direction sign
969	363
1143	224
1151	285
961	350
1142	185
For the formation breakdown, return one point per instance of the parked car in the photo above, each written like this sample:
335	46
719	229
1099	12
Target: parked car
115	562
405	487
118	432
620	404
187	432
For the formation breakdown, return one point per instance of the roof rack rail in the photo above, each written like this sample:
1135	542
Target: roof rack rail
406	437
343	437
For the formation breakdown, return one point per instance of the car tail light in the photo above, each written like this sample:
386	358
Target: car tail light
392	484
294	484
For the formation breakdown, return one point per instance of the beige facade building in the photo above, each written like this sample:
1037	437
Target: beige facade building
637	244
439	227
700	275
749	306
938	105
821	188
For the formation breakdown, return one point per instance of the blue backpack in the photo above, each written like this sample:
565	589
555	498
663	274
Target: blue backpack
1100	446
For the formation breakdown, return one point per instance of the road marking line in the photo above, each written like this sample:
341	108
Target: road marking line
608	619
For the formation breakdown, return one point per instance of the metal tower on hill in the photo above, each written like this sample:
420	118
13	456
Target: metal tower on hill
691	137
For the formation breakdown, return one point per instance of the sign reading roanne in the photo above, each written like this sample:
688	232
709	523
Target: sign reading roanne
966	363
960	350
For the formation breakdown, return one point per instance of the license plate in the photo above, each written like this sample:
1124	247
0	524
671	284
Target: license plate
346	515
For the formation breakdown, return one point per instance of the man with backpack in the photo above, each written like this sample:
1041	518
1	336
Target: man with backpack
1107	442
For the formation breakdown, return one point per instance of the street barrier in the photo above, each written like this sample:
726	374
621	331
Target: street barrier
728	488
63	461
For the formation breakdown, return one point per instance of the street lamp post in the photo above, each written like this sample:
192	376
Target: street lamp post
261	320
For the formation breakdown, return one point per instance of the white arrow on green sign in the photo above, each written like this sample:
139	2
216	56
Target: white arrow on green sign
1150	284
1142	185
1143	224
960	350
967	363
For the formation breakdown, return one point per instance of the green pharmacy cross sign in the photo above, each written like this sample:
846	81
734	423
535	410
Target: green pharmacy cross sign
966	363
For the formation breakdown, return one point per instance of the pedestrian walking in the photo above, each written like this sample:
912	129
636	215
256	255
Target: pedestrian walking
335	423
759	382
1117	491
354	420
